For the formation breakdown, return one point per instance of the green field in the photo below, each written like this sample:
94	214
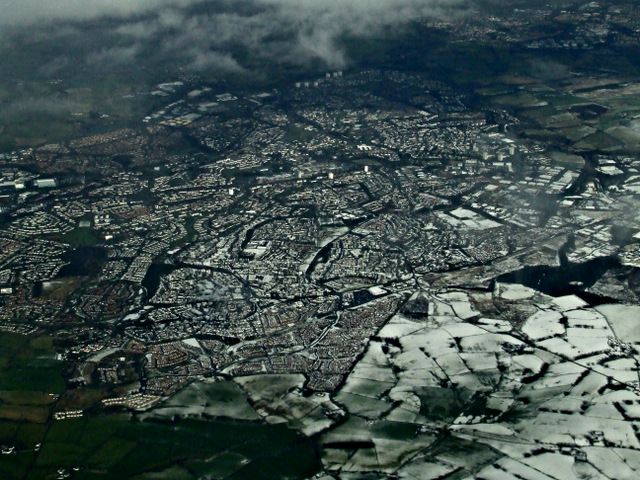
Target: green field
108	446
81	237
28	365
115	446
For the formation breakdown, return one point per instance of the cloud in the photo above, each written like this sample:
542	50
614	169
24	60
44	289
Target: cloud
208	60
33	12
222	35
113	56
25	107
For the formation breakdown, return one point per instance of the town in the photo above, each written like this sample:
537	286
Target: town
377	258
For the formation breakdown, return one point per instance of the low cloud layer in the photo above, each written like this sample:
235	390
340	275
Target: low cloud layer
222	35
34	12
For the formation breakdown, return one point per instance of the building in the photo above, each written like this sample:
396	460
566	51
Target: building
45	183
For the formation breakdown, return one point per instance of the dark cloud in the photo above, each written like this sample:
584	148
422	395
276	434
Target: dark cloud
113	56
34	12
40	105
222	34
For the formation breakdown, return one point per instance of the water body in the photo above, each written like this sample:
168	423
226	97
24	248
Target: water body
323	256
151	281
567	279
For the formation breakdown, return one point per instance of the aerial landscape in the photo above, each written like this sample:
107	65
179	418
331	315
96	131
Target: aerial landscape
367	239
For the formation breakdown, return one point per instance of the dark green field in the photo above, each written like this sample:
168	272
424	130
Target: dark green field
120	445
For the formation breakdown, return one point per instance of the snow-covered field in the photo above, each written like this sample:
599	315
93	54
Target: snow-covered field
553	397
